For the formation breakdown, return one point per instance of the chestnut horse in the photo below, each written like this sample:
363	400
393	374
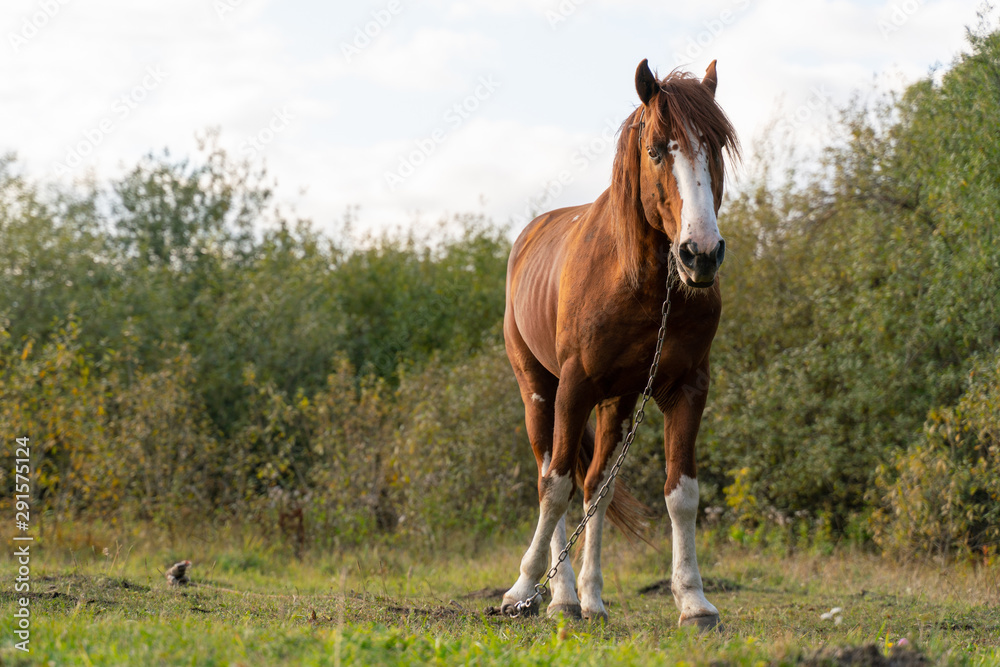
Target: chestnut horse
585	287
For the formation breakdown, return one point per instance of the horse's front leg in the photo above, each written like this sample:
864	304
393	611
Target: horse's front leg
611	416
556	485
682	411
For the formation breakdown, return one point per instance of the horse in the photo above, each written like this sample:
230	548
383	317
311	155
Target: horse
584	290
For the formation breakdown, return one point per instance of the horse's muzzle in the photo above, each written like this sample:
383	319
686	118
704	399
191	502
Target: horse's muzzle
698	269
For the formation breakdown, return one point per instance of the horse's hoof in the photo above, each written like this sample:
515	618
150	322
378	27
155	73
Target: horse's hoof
567	610
703	623
510	609
595	615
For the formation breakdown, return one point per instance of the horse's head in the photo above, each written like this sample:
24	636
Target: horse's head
673	146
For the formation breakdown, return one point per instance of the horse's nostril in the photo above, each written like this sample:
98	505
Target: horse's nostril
686	255
720	252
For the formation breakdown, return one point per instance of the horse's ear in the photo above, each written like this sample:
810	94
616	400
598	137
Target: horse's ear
645	82
711	78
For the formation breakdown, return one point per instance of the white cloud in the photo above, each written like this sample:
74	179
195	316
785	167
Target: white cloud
500	167
428	60
798	61
72	77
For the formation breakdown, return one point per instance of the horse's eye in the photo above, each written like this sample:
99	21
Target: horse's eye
653	153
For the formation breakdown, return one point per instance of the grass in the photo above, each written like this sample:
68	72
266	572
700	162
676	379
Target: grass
389	605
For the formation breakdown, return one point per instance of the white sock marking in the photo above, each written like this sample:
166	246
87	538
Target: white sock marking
689	595
553	507
563	585
591	582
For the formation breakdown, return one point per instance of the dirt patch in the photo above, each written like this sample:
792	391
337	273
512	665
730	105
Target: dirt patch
711	584
868	655
452	611
485	594
102	603
11	596
121	584
101	582
953	625
59	578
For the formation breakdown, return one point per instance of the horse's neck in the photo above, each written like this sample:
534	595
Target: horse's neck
654	256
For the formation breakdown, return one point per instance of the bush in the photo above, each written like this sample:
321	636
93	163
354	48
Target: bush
462	458
49	395
942	495
119	444
178	352
856	296
445	451
316	470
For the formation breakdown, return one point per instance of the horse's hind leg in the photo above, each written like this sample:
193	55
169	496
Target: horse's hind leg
564	599
612	415
540	391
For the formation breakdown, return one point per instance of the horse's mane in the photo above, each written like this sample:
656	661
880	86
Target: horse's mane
683	100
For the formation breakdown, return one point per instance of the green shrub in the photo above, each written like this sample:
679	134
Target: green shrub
856	296
178	352
48	393
942	495
109	442
462	458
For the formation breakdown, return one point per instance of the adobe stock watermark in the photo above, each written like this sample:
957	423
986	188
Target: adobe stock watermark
365	34
32	25
713	28
121	109
582	159
255	143
697	388
561	12
898	15
453	118
819	98
223	7
22	542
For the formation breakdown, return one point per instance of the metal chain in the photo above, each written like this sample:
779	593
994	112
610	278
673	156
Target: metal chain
541	588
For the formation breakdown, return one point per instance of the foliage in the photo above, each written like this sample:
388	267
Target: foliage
104	441
172	365
179	351
943	493
858	294
462	452
50	396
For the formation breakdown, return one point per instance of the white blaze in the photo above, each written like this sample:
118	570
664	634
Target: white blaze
694	183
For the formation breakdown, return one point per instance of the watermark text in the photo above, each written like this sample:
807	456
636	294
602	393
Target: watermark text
22	546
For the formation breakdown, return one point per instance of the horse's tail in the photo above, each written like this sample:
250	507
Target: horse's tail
625	511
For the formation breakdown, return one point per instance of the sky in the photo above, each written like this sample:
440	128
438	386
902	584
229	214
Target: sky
407	112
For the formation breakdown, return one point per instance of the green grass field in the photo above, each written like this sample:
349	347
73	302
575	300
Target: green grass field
393	606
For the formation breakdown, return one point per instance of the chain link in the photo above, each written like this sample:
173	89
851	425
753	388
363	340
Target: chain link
541	588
